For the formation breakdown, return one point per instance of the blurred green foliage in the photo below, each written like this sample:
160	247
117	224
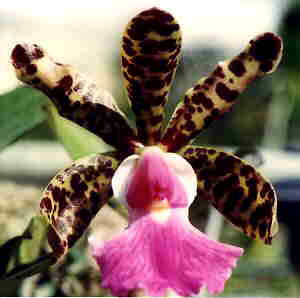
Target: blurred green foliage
20	111
24	256
289	30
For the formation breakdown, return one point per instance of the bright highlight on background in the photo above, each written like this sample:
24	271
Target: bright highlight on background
87	33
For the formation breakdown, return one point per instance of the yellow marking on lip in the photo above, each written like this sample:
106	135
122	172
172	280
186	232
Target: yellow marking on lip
159	205
160	210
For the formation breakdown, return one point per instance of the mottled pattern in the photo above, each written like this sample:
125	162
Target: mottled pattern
75	96
214	95
74	196
150	53
236	189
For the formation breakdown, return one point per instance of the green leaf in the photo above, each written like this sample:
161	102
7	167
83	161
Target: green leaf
26	248
36	235
77	141
20	111
293	84
7	252
26	270
25	251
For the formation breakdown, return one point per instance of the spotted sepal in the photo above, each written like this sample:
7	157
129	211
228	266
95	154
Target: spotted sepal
236	189
75	96
214	95
150	53
74	196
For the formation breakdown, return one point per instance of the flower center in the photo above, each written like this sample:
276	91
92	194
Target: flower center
154	180
159	205
154	185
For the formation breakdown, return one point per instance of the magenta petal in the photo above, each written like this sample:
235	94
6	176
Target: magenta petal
153	179
156	256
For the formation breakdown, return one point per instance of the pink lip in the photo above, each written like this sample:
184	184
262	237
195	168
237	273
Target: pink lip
157	255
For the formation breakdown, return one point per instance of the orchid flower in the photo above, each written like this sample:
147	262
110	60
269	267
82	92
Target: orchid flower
155	175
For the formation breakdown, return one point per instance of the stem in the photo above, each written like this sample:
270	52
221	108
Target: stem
214	224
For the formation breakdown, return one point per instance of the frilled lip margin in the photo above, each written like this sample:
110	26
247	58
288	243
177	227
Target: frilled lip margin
157	257
161	250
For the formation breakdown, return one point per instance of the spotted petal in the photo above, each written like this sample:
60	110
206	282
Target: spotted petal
214	95
236	189
74	196
150	53
75	96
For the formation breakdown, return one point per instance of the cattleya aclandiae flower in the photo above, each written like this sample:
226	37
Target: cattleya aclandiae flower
155	175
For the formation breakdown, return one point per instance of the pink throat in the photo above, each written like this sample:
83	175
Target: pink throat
160	250
153	184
